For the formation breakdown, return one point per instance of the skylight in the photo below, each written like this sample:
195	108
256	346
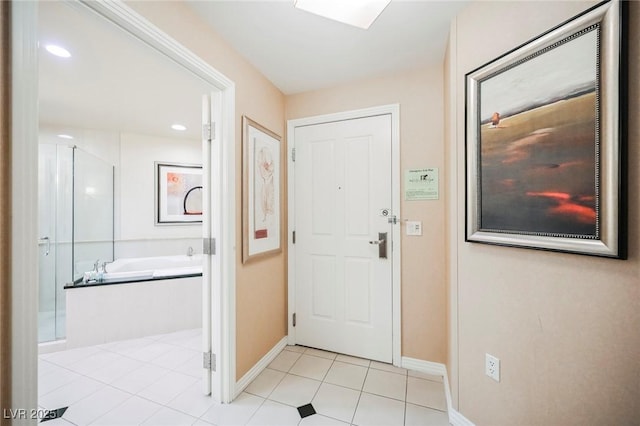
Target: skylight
358	13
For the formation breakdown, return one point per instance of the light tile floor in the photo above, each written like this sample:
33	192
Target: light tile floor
157	381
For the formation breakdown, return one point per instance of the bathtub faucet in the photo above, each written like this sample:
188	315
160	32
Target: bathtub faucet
190	251
95	275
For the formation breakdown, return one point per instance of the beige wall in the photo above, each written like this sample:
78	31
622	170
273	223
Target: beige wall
260	287
261	294
566	327
420	95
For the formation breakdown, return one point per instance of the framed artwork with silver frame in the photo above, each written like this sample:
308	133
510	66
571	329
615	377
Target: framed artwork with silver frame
544	133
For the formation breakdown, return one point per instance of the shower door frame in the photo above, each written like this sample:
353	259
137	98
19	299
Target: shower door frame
24	65
56	237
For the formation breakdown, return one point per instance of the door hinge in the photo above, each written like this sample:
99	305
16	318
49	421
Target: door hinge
209	131
294	237
293	155
209	246
209	361
294	320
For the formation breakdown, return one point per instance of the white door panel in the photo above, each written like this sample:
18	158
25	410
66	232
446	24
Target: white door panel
207	225
343	289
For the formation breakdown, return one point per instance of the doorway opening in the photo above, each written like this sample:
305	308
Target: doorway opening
218	166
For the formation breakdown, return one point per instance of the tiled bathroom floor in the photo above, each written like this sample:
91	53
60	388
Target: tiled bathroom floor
157	381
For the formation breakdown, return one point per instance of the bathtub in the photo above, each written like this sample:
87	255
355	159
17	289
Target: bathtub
147	268
138	297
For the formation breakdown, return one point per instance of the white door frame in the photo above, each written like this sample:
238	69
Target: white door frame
394	110
24	203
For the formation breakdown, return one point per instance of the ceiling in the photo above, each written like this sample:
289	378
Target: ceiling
299	51
113	81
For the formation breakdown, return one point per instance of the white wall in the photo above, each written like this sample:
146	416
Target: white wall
133	156
136	231
104	144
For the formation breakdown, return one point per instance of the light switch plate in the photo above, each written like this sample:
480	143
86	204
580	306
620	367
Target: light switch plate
414	227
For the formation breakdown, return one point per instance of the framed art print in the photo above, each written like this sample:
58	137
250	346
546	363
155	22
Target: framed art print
261	198
178	193
543	141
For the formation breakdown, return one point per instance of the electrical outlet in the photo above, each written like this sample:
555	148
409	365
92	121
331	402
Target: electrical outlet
492	367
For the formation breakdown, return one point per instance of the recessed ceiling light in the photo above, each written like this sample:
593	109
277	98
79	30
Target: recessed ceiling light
359	13
179	127
65	136
59	51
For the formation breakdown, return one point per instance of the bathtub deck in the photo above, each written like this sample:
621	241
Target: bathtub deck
79	284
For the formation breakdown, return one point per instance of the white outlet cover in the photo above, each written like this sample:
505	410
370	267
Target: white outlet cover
492	367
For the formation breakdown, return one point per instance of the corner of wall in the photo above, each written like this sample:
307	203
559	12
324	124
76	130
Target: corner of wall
450	97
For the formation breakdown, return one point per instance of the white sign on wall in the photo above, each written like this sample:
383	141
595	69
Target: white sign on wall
421	184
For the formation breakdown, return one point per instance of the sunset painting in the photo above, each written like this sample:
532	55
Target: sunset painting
538	164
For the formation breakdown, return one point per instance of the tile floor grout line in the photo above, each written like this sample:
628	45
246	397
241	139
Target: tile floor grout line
150	415
84	397
326	373
353	417
406	395
71	382
145	387
321	382
257	409
122	403
277	384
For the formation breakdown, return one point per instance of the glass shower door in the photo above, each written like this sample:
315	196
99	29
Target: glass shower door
55	176
75	225
46	242
93	224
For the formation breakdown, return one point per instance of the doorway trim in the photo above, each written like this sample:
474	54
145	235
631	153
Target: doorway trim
394	111
24	120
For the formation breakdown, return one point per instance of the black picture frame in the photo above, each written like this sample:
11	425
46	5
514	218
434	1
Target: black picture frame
178	193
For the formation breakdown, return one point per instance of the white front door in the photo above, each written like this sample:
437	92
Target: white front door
343	279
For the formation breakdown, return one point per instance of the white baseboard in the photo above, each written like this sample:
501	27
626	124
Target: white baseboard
260	365
428	367
50	347
457	419
437	369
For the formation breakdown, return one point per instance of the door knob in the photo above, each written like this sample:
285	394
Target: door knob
381	242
